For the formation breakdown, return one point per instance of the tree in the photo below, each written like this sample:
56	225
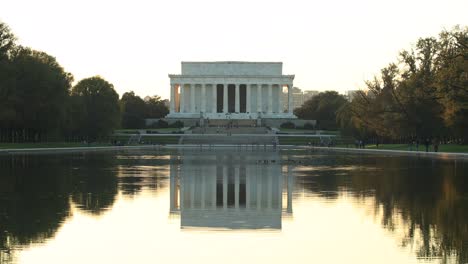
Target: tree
133	110
323	108
156	107
96	111
34	96
451	80
7	80
424	95
7	41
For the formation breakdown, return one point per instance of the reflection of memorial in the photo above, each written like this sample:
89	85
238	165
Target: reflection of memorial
242	190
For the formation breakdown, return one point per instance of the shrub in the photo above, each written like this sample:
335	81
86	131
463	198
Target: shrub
288	124
162	124
177	124
309	126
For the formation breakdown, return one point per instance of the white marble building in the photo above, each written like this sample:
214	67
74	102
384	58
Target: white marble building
231	90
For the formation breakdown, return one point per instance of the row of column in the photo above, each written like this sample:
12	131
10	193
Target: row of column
261	190
180	97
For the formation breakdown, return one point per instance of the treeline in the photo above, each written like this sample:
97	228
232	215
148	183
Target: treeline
424	95
38	102
322	108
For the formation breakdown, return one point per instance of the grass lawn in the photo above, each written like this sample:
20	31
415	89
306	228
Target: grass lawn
161	140
149	139
442	148
297	140
123	139
309	131
159	130
49	145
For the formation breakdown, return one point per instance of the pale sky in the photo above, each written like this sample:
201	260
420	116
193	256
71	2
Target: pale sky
328	45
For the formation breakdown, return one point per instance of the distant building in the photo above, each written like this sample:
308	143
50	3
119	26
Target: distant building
299	97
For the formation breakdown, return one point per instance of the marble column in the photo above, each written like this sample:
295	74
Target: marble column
236	187
247	187
280	98
259	98
213	187
290	105
215	99
237	106
182	181
259	188
172	102
289	190
269	187
172	186
182	98
192	98
203	98
225	187
192	191
203	187
225	98
247	98
270	98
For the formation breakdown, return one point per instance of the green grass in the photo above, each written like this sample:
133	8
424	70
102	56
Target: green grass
296	140
123	139
159	130
442	148
309	131
49	145
160	140
149	139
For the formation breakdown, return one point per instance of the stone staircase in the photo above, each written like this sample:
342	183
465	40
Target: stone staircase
234	139
233	130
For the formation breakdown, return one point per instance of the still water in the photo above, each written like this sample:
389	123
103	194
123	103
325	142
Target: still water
232	206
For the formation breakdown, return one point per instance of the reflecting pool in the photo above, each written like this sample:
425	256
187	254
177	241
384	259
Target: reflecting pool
232	206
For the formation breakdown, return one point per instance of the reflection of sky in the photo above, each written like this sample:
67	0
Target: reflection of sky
132	232
141	229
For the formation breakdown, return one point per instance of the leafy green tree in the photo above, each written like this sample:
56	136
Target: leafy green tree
133	110
34	96
97	113
451	80
7	41
7	81
323	108
424	96
156	107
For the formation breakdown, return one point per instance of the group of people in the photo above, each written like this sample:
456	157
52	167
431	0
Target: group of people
360	144
427	144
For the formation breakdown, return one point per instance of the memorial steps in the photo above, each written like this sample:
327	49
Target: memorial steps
233	130
234	139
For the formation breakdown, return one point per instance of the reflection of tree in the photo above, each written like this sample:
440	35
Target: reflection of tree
425	198
136	172
33	199
95	183
35	191
428	197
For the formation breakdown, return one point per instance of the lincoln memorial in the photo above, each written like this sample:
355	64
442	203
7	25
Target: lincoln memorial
231	90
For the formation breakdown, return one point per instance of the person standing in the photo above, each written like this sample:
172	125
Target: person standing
427	143
436	145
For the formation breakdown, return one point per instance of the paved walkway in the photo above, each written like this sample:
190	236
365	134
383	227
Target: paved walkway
396	152
76	149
